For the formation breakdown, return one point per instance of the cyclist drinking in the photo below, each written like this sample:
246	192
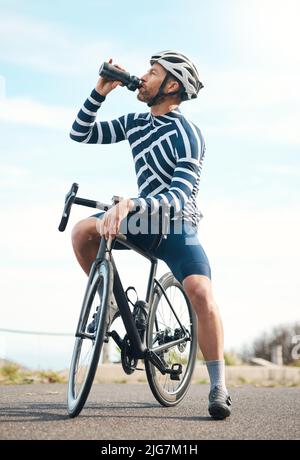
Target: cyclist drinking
168	151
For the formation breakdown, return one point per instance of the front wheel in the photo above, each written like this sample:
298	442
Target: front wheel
88	344
165	324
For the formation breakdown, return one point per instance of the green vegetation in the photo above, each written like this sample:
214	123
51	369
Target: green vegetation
120	380
295	363
174	356
231	359
13	373
9	373
50	377
202	381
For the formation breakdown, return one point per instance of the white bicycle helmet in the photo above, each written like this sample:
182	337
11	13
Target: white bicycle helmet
183	69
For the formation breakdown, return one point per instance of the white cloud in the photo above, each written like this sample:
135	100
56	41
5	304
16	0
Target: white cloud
268	32
252	104
258	95
2	87
10	175
29	112
250	89
252	231
284	131
285	170
44	46
254	253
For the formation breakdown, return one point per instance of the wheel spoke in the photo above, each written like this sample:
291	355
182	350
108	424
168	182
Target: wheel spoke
170	324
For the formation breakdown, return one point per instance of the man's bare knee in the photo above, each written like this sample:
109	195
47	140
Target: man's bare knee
84	232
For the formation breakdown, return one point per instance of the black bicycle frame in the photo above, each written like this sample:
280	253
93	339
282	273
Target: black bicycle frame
138	350
119	293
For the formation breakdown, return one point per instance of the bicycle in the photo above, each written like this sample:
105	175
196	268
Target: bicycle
161	331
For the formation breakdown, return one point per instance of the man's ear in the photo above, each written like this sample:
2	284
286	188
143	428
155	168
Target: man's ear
173	86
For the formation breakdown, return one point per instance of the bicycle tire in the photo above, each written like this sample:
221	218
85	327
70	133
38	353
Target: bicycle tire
102	278
154	376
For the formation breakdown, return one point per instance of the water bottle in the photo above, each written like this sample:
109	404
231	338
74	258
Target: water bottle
111	72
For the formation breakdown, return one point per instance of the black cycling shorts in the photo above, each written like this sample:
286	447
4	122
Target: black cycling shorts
182	251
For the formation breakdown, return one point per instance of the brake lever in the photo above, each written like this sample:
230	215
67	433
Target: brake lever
116	199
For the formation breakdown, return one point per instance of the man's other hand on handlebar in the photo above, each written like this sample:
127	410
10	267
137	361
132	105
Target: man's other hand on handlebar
109	226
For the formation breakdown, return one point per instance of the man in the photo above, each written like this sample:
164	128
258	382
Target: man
168	151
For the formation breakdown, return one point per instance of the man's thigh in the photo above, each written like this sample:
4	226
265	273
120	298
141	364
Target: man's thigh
185	256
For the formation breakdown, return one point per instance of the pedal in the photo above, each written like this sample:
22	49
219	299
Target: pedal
176	370
137	368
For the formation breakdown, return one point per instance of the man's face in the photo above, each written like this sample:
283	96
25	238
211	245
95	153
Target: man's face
151	82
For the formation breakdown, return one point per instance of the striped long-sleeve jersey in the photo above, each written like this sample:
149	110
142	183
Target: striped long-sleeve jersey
167	150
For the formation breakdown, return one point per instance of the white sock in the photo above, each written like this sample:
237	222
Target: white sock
216	370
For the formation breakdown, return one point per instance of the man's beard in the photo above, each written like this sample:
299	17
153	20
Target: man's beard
145	96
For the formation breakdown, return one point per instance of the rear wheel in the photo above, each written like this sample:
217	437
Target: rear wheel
88	346
164	325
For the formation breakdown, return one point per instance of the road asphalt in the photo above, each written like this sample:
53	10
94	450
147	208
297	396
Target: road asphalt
130	412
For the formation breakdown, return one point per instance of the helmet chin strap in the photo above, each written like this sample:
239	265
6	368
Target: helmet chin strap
161	93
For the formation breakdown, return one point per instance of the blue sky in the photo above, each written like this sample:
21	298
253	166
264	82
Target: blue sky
248	59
